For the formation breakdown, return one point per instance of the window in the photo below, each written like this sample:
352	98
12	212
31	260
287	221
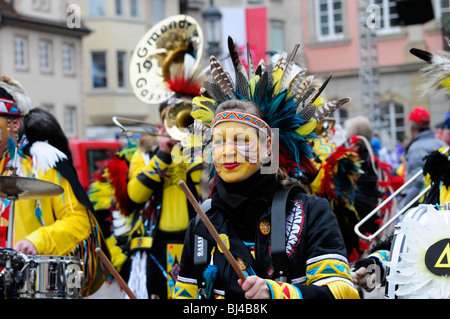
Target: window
442	8
45	48
134	10
393	119
71	121
158	10
121	69
277	34
21	52
97	7
99	71
69	59
389	15
119	7
329	19
43	5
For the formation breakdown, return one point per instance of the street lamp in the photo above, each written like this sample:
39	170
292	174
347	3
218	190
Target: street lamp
212	17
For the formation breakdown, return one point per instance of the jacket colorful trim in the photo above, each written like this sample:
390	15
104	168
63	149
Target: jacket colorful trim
314	247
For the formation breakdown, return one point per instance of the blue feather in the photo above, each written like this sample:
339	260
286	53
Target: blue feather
210	276
11	148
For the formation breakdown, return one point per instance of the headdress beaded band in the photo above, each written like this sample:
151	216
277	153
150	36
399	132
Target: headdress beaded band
242	118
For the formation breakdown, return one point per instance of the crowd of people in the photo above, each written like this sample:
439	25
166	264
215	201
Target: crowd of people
290	231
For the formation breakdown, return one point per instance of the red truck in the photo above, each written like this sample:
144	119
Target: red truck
91	155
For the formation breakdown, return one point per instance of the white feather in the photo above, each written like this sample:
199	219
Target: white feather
45	156
189	63
411	275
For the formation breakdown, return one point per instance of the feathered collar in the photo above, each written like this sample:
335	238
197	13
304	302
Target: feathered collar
45	156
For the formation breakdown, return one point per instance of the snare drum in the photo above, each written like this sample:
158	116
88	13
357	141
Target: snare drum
51	277
419	263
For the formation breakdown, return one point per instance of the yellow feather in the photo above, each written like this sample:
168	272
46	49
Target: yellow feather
277	80
319	102
201	112
252	85
101	195
307	128
445	83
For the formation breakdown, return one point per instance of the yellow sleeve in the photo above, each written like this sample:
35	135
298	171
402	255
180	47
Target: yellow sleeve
71	226
334	273
342	290
137	163
185	288
281	290
141	187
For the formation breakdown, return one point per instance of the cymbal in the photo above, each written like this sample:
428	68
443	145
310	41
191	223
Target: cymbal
27	188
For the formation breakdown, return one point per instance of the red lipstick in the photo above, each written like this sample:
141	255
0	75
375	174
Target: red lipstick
230	166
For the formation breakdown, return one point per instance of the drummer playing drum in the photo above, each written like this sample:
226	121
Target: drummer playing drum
34	146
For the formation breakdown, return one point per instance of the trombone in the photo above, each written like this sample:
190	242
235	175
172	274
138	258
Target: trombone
387	200
119	120
177	118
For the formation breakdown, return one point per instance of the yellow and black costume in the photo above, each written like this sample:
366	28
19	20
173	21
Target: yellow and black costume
62	225
170	212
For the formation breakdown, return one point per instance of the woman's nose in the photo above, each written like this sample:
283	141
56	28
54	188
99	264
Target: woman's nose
230	149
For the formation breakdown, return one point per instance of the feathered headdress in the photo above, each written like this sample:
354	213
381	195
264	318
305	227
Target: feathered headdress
14	101
437	71
290	102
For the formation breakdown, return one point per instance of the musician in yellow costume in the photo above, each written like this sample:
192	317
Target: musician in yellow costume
155	184
61	225
286	242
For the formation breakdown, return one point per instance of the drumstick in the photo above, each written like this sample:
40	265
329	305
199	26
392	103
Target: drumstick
212	231
114	272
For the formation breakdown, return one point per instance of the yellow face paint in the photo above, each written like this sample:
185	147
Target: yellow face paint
235	150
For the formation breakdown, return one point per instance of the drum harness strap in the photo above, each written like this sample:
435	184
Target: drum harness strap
278	234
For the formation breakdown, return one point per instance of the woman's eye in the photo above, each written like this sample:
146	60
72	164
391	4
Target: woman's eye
240	140
218	141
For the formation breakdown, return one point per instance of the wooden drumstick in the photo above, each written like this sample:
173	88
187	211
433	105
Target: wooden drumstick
212	231
114	272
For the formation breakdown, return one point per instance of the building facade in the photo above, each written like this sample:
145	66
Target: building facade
331	38
41	49
117	28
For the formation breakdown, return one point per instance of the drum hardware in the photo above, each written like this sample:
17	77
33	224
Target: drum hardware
10	261
15	187
51	277
387	200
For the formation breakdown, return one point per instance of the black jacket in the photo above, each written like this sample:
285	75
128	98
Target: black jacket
312	238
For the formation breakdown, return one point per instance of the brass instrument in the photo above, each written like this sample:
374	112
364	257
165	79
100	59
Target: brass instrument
325	126
172	47
177	119
161	54
387	200
121	121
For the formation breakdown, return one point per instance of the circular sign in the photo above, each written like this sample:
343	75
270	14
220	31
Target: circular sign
437	258
166	41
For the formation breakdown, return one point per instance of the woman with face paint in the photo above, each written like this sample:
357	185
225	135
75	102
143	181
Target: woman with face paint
245	209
